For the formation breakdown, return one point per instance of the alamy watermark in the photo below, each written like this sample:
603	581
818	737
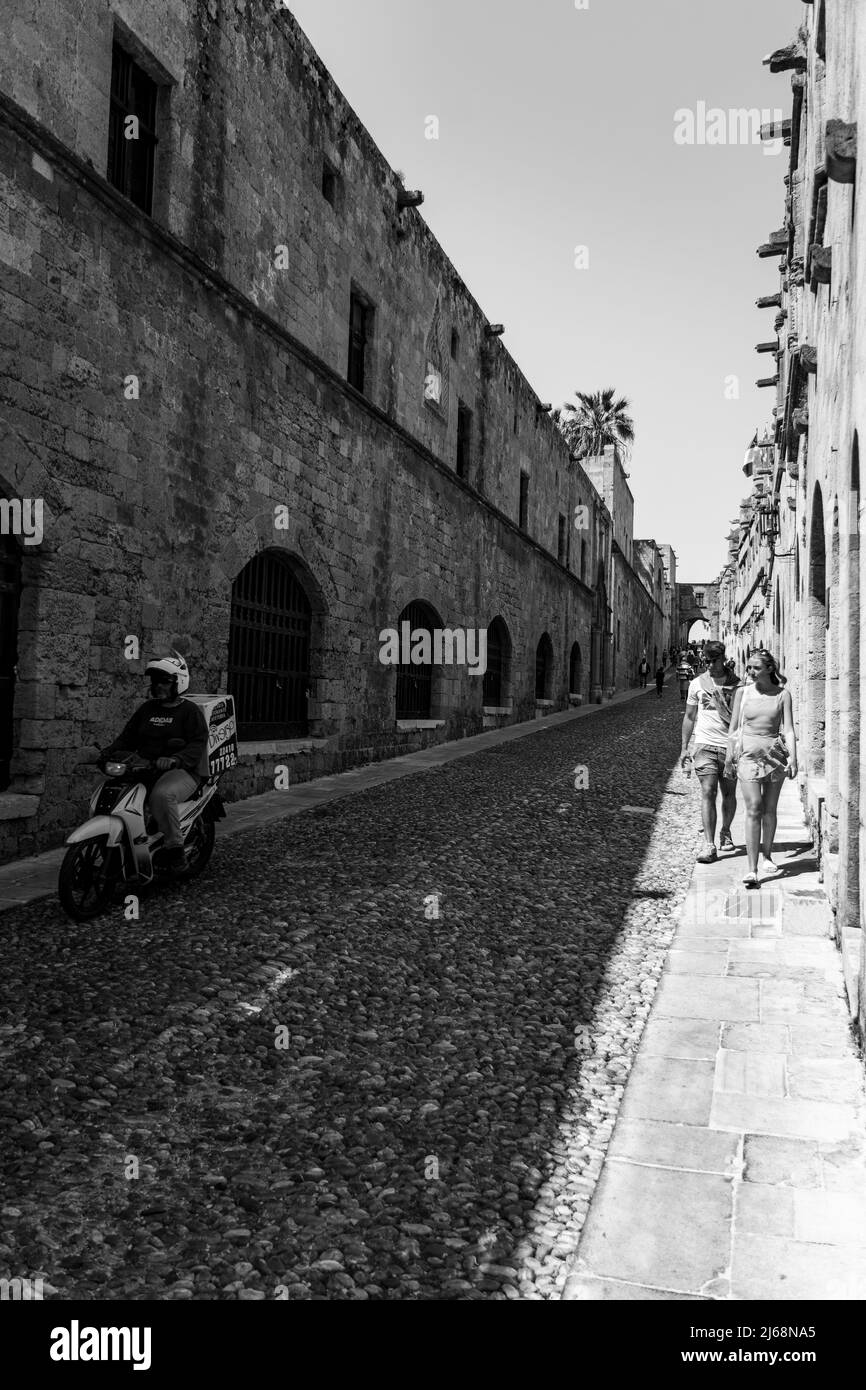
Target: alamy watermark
22	1290
22	518
440	647
737	126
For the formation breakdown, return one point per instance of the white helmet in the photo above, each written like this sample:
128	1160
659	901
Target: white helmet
172	666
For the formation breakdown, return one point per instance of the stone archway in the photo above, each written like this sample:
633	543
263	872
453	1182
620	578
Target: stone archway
575	670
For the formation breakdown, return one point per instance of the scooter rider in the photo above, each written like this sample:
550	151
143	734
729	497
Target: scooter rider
164	718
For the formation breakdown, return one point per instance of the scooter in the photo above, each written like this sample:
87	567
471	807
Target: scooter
121	846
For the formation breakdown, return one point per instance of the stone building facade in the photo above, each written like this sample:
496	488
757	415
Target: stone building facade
637	576
263	414
795	550
650	568
697	603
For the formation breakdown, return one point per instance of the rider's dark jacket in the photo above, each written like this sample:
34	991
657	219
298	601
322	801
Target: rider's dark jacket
152	726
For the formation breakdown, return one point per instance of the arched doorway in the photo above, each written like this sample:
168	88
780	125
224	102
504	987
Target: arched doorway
269	649
10	592
575	670
497	677
816	638
414	693
599	641
544	669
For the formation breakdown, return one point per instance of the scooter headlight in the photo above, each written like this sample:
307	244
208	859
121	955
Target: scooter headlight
115	769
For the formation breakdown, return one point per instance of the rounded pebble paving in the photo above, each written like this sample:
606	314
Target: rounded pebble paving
295	1080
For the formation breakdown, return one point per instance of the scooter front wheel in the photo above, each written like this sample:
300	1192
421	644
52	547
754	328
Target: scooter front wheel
86	882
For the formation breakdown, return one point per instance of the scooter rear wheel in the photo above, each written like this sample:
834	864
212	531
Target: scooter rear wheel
87	880
199	846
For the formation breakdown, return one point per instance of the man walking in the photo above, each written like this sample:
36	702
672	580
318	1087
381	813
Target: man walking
684	676
660	680
643	672
708	716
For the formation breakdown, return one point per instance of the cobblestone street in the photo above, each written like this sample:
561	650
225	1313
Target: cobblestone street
326	1090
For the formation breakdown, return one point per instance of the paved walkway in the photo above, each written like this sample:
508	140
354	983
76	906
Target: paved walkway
24	880
737	1167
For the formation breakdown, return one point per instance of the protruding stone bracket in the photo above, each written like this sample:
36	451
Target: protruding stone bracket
821	264
800	419
768	381
777	130
841	146
780	319
409	198
767	347
776	246
769	301
809	359
790	58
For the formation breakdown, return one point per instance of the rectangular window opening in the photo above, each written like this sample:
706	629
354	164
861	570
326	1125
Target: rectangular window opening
524	500
360	316
329	183
464	440
132	138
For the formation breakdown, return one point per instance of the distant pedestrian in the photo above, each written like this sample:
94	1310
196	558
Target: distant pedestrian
660	678
643	672
684	676
665	657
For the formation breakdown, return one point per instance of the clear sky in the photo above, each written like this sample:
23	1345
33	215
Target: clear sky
556	130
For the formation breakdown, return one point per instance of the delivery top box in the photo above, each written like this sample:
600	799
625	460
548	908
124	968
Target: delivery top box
222	740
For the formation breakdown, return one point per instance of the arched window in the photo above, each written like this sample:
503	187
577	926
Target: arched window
544	668
415	681
575	670
10	589
269	650
497	677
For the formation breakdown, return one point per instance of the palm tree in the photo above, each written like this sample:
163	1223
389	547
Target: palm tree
596	421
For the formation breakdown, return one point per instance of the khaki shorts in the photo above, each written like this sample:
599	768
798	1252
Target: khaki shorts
764	764
709	761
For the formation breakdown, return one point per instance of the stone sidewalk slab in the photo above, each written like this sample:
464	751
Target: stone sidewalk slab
24	880
737	1166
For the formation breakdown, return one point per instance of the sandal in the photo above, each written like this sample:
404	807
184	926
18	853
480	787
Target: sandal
709	856
750	880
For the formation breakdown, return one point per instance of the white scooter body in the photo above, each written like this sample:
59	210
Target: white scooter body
125	823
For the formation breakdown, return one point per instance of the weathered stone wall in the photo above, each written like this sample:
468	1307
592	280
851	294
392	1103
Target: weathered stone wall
249	116
817	576
154	505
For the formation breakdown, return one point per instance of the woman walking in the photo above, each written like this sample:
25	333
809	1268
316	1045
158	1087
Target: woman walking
764	745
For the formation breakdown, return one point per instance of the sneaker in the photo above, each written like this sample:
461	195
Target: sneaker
725	842
175	858
709	856
769	868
